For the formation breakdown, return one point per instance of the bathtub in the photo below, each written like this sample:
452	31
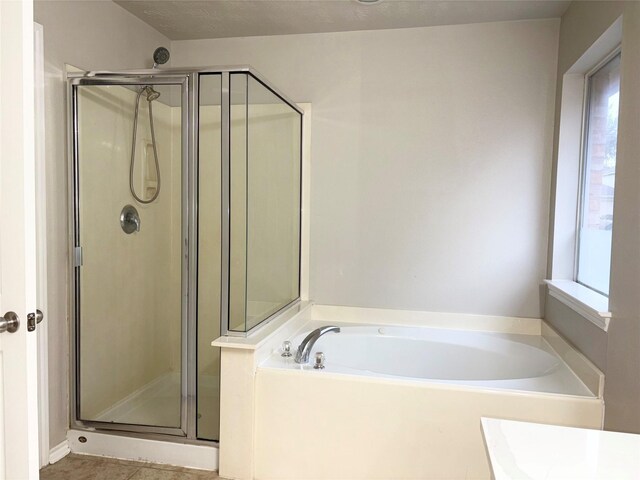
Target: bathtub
483	360
405	402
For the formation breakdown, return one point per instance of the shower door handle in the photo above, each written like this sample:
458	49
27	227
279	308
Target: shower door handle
9	323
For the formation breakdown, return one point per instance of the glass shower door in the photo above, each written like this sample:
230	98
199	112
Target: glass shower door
129	236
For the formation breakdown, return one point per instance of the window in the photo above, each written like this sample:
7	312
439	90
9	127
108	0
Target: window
584	180
600	135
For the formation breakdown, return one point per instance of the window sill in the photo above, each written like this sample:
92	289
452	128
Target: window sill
584	301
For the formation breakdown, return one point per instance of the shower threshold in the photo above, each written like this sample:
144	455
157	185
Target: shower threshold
125	446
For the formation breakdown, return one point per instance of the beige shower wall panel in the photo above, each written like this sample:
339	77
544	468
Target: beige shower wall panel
130	284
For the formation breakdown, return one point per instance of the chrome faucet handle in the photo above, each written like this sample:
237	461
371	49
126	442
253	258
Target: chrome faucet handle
319	361
286	349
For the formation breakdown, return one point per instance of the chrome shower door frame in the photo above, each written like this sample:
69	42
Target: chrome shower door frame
189	95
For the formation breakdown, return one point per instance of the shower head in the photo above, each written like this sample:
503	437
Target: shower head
160	56
151	93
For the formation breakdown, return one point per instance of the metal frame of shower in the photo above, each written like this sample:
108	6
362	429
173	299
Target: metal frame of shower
187	79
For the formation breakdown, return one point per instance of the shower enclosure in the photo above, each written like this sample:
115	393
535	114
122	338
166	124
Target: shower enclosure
186	200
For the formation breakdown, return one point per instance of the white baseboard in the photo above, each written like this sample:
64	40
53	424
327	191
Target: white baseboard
144	450
58	452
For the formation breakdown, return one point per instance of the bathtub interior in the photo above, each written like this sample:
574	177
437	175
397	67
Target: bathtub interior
477	359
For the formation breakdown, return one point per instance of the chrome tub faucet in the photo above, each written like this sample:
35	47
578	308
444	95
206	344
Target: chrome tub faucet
304	350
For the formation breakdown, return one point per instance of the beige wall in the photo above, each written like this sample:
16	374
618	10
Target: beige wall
618	351
130	284
431	153
584	335
89	35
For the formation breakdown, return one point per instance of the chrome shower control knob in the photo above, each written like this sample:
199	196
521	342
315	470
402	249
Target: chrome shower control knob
286	349
319	361
129	219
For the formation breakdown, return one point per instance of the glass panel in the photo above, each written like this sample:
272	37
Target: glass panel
238	202
273	203
265	203
596	220
130	298
209	256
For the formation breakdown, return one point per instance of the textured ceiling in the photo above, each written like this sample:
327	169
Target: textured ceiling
189	20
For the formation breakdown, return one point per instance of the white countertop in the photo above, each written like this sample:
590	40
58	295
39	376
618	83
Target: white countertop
521	450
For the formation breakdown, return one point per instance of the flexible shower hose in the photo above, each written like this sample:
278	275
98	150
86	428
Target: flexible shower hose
133	150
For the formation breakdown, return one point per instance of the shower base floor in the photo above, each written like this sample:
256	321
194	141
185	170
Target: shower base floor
158	404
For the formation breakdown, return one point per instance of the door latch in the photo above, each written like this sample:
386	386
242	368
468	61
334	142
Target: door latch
33	319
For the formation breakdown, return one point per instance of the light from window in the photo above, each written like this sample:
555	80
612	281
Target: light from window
598	176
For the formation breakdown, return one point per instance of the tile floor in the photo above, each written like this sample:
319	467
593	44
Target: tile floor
86	467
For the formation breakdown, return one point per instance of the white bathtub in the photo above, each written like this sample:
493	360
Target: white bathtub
405	402
484	360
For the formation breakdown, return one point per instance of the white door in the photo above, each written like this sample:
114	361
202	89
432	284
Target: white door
18	350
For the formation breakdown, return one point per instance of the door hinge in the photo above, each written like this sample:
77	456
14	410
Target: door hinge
77	257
